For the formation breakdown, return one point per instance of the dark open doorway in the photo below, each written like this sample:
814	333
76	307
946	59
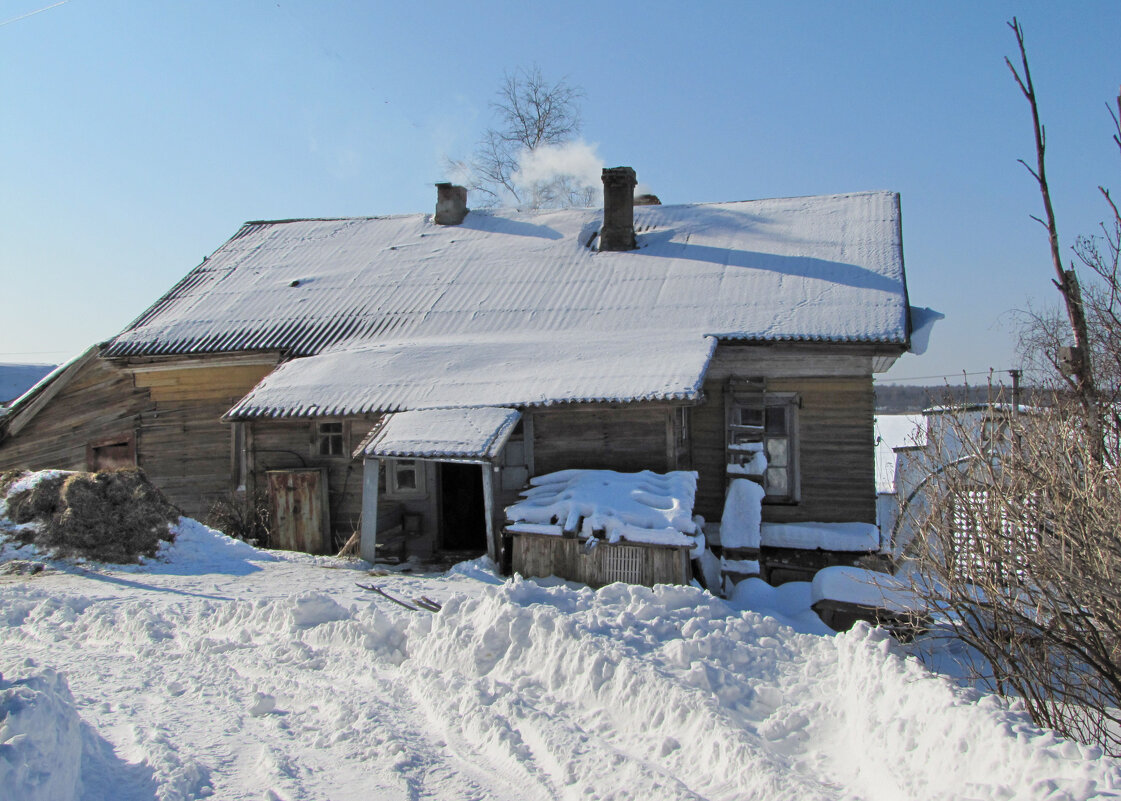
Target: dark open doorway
462	508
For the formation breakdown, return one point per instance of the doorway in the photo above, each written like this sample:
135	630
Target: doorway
463	524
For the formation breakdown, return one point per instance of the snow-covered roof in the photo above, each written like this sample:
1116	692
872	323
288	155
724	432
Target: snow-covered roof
469	434
524	371
826	268
16	379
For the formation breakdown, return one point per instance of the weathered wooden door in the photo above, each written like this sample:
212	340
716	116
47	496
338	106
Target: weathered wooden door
300	514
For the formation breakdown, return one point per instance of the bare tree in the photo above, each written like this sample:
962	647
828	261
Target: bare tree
1017	513
531	112
1075	362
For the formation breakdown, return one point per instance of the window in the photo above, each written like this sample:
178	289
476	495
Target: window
404	479
239	457
329	437
762	443
112	453
515	459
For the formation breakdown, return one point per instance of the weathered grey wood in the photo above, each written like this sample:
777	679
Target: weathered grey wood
367	548
541	555
291	443
836	450
493	544
625	439
300	510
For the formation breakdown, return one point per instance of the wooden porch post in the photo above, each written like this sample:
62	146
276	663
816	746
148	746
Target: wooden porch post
367	545
488	503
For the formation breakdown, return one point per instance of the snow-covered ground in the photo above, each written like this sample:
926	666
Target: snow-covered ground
229	672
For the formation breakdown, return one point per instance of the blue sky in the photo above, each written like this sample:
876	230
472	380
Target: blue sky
137	137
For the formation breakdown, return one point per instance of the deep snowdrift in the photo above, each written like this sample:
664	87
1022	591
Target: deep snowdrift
222	670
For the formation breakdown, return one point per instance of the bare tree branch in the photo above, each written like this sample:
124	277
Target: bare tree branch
1067	280
530	112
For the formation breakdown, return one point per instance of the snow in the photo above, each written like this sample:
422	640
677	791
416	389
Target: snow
864	587
743	515
16	379
535	528
498	370
826	536
755	466
40	737
825	268
647	507
459	433
222	671
895	431
922	326
743	566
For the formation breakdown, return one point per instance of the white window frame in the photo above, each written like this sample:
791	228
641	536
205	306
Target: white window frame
789	401
395	469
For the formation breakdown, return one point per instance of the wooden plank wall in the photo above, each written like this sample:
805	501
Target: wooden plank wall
291	443
182	445
173	412
185	450
98	403
537	555
835	429
627	438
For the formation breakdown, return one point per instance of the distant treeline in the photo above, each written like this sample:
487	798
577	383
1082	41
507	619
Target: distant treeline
906	399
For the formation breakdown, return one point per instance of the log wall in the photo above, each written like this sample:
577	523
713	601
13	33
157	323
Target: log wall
172	413
98	403
626	438
835	438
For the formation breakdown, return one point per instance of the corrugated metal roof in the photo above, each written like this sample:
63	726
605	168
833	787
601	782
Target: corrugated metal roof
817	268
472	434
494	371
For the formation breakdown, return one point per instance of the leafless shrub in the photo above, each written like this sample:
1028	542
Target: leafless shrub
1019	548
243	516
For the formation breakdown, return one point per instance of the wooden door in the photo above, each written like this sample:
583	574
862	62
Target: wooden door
300	515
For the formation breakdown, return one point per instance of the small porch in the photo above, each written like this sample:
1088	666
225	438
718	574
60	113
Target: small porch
430	479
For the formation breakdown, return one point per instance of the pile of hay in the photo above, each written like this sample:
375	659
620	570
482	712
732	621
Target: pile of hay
112	516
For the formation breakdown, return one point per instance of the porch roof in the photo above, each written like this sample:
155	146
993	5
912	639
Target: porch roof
476	434
538	370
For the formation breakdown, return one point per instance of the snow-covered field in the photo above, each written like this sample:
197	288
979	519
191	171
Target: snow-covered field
234	673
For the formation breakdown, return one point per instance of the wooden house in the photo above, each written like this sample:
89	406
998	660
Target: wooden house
405	375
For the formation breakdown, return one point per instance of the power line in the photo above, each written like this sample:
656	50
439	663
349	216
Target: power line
34	352
948	375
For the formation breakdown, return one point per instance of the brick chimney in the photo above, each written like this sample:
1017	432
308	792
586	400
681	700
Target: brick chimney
618	209
451	204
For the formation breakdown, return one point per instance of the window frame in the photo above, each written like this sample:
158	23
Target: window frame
394	468
760	401
320	437
95	449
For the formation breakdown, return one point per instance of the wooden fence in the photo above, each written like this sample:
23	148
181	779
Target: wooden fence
569	558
